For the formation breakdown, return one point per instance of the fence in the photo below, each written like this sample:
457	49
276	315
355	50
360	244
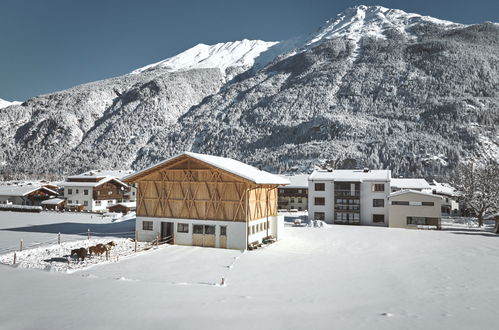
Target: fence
83	236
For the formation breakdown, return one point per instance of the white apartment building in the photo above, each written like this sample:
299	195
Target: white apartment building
349	196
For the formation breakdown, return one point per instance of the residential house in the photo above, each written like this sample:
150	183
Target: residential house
295	195
29	194
413	209
204	200
349	196
95	191
450	204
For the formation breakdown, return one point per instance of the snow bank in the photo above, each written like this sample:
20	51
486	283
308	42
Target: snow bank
56	257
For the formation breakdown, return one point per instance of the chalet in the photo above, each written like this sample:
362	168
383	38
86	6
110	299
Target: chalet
124	207
295	195
449	194
414	209
203	200
31	195
95	191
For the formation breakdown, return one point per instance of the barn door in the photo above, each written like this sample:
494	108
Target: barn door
209	236
167	232
197	235
223	237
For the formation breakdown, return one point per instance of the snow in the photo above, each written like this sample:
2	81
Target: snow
222	56
342	277
119	174
339	175
22	190
5	103
409	183
297	181
227	164
371	21
408	191
91	184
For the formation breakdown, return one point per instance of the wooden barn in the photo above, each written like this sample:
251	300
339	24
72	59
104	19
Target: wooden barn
203	200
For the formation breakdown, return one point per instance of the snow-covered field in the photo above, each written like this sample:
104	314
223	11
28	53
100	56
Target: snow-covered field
337	277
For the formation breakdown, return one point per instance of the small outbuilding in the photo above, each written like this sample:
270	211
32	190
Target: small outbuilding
54	204
123	207
414	209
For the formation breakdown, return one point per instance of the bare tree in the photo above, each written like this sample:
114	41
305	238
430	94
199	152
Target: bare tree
479	187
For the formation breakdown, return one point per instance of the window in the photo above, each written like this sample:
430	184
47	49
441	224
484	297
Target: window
427	203
379	187
70	191
85	203
146	225
85	192
378	218
109	192
281	191
319	201
77	191
378	203
299	200
110	201
320	186
292	200
319	215
133	193
400	203
70	202
197	229
97	203
223	230
416	221
209	230
182	227
299	191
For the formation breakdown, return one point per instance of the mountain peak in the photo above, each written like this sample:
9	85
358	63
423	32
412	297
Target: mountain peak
373	21
222	55
5	103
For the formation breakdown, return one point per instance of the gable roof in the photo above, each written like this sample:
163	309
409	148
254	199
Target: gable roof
232	166
409	183
352	175
23	190
91	184
297	181
119	174
408	191
52	201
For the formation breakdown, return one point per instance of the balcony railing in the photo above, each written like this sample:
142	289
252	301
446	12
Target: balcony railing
347	193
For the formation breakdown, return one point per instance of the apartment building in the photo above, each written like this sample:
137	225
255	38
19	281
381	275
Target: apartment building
357	197
295	195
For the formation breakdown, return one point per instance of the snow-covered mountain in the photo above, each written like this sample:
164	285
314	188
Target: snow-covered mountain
372	87
5	104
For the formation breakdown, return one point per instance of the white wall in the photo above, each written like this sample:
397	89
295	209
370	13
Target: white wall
399	213
328	195
236	231
366	202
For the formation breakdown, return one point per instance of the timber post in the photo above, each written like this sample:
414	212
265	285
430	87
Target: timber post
21	245
59	238
88	233
15	258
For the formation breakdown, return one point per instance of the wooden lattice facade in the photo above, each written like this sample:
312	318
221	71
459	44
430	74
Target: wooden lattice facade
188	188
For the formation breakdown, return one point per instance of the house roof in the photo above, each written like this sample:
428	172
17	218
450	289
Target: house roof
409	191
351	175
233	166
297	181
443	189
91	184
20	191
409	183
129	204
52	201
119	174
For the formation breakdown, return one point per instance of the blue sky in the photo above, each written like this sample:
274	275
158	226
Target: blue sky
52	45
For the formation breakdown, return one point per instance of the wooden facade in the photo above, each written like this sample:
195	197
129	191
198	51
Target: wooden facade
109	190
188	188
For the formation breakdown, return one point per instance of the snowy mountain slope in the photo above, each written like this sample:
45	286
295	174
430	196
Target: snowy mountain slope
375	86
222	56
5	104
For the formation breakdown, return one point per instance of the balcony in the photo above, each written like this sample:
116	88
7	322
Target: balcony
347	193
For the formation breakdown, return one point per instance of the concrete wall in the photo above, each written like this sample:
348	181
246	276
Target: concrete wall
399	213
366	203
328	195
236	231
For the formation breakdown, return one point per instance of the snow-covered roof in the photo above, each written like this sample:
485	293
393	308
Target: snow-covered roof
233	166
409	183
297	181
351	175
443	189
52	201
119	174
22	190
409	191
91	184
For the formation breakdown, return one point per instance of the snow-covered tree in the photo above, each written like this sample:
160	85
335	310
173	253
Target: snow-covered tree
479	187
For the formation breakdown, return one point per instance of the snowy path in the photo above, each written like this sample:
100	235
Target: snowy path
339	277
